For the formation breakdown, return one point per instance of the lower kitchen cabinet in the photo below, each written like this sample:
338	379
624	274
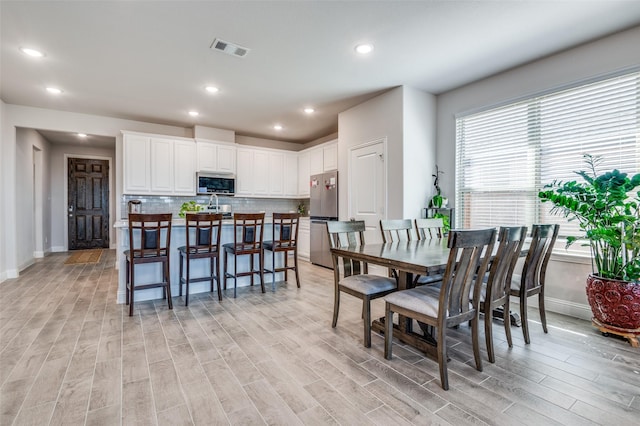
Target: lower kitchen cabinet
304	239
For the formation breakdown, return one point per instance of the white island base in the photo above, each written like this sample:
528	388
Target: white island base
152	273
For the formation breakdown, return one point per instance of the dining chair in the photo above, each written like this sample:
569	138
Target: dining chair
248	230
532	278
429	228
202	242
495	285
284	231
450	305
396	230
149	242
355	278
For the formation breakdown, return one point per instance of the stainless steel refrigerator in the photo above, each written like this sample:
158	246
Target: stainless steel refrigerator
323	207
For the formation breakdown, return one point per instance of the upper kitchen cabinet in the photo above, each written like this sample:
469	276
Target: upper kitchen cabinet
290	174
216	157
330	156
268	173
303	174
316	161
136	164
158	165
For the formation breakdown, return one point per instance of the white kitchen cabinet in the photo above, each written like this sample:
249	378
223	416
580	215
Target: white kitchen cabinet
316	161
136	164
216	157
303	174
244	175
158	165
330	157
304	238
226	159
161	165
261	173
276	174
291	175
184	171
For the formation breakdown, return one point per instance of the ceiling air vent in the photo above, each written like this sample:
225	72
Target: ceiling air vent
229	48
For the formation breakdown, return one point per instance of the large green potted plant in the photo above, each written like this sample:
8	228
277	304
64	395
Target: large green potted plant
607	208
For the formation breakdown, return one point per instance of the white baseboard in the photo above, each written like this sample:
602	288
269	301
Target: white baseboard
25	265
56	249
12	273
564	307
38	254
3	276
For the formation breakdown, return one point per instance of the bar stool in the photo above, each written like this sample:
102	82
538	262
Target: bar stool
149	242
248	229
203	242
285	239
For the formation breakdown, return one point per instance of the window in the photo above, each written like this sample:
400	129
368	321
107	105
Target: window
505	155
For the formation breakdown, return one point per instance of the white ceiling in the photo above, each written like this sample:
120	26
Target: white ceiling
150	61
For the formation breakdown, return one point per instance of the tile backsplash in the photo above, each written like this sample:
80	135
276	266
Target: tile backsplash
168	204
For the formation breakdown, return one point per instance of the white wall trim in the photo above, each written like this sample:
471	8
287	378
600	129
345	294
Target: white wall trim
559	306
38	254
12	273
25	265
58	249
65	179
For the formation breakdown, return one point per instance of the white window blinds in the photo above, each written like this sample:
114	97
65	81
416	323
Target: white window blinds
505	155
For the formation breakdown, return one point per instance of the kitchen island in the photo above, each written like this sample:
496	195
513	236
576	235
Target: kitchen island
148	273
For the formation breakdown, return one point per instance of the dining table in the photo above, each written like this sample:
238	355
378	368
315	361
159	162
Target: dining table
408	259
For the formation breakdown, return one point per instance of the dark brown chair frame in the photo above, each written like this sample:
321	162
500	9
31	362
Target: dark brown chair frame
248	231
152	232
452	300
396	230
351	233
543	238
285	227
206	228
429	228
495	293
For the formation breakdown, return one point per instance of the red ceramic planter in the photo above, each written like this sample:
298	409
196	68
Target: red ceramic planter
614	302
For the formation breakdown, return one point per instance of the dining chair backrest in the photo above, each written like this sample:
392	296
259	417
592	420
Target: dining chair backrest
285	230
465	259
543	238
203	232
347	234
248	231
511	240
149	234
396	230
429	228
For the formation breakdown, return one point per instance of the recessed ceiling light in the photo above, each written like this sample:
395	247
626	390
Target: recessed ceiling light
194	113
364	48
309	110
31	52
82	135
212	89
277	127
54	90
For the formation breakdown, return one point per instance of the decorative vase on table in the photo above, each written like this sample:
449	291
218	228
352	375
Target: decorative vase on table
607	208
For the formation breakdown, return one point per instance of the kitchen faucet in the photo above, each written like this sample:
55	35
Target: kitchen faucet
211	202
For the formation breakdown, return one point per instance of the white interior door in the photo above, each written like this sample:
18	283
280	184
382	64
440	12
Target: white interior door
367	187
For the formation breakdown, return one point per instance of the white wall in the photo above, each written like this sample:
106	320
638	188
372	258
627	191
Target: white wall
419	150
59	188
566	277
4	206
377	118
28	213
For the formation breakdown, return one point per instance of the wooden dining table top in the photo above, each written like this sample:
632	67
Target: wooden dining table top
421	257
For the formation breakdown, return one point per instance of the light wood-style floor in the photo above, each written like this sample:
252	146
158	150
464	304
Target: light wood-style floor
71	356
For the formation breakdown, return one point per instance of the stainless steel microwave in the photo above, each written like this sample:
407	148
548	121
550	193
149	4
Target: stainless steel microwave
209	183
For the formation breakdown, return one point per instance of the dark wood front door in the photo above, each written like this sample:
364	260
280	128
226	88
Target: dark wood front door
88	207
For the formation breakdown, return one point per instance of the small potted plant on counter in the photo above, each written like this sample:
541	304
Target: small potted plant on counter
607	208
189	207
